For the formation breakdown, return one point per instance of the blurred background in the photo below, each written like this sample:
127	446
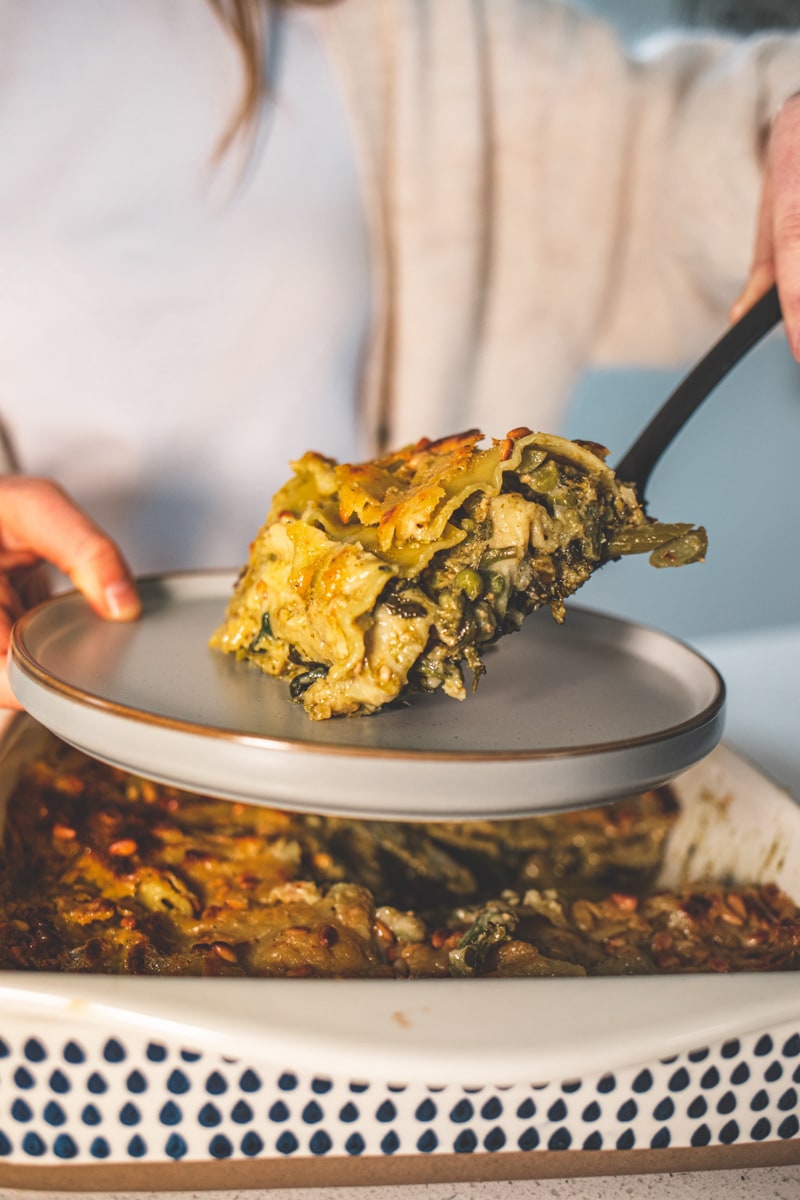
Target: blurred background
736	466
635	17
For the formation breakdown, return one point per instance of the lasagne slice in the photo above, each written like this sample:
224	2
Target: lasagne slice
371	579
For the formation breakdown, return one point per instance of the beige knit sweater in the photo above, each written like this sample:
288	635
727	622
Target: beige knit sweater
539	201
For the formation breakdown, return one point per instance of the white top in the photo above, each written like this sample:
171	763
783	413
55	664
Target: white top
173	330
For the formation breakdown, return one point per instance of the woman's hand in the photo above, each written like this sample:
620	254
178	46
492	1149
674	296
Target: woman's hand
39	523
777	250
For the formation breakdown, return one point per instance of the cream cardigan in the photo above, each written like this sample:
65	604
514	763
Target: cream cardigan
539	201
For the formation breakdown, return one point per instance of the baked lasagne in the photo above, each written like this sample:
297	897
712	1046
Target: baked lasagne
101	871
368	579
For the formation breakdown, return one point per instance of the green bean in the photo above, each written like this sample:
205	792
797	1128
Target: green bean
641	539
545	478
532	457
499	555
689	548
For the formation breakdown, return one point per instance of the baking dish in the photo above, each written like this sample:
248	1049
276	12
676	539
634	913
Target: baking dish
98	1070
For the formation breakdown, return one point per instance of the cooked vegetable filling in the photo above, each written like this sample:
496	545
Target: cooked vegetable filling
370	579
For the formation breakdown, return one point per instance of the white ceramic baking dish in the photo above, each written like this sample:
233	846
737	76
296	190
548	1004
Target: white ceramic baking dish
98	1070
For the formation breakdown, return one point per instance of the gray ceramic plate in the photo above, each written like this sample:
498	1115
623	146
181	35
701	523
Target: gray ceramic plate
566	715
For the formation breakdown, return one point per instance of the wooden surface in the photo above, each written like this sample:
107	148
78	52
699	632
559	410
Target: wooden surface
409	1169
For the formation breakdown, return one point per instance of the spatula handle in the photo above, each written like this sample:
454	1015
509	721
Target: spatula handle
636	465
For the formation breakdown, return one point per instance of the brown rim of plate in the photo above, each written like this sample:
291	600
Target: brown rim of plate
28	665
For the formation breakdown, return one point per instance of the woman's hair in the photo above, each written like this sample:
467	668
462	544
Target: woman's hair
248	23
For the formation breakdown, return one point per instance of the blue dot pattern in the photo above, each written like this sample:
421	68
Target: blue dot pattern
64	1146
427	1142
216	1084
129	1114
175	1147
74	1053
170	1114
91	1097
34	1051
251	1144
209	1116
